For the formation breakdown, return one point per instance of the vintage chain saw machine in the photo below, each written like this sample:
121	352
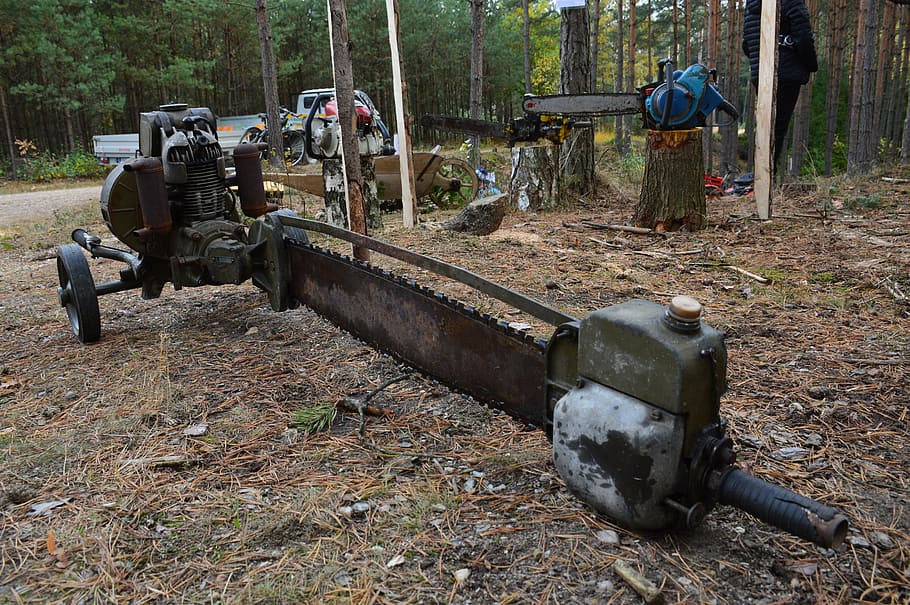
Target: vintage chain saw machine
679	100
629	395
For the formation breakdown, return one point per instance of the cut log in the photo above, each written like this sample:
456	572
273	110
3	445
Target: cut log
673	188
336	208
480	217
534	183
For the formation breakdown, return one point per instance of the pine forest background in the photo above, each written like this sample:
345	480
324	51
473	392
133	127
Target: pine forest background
70	69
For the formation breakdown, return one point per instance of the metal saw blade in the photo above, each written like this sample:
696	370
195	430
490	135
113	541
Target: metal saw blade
470	126
605	104
468	351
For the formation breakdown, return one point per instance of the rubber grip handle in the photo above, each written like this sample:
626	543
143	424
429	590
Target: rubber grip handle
86	240
80	237
782	508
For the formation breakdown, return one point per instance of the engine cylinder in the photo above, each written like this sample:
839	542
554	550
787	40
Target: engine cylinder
649	384
152	193
249	180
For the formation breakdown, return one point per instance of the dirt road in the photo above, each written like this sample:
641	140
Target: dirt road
31	207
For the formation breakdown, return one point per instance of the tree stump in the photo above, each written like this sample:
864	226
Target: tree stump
336	210
335	196
370	192
534	182
673	188
480	217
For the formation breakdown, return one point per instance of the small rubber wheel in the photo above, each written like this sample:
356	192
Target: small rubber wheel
77	293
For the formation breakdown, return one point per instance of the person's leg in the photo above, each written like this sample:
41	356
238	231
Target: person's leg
787	95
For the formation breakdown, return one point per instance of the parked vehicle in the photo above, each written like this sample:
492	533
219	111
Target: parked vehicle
293	142
117	148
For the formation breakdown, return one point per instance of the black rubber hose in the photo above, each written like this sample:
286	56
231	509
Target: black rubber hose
782	508
668	106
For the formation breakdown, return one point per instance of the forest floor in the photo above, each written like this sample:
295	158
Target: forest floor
163	463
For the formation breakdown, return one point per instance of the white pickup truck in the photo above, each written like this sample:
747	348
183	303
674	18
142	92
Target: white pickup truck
117	148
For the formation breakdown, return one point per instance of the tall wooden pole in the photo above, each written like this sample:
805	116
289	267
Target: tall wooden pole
764	110
400	90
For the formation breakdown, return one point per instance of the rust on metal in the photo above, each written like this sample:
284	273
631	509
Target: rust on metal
471	352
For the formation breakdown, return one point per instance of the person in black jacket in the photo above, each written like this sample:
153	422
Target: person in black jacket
796	59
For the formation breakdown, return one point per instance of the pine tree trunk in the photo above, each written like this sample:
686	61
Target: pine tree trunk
270	86
729	134
577	152
862	144
905	144
750	129
892	96
633	43
649	77
802	115
800	139
595	41
885	66
4	109
894	84
674	53
838	21
619	122
526	43
687	4
712	39
901	86
344	98
673	188
534	183
476	100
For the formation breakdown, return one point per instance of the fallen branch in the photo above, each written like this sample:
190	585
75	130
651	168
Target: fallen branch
603	243
818	216
758	278
664	253
355	406
649	253
623	228
894	290
869	362
157	461
648	591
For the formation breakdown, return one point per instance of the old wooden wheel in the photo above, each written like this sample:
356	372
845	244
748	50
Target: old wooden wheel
456	183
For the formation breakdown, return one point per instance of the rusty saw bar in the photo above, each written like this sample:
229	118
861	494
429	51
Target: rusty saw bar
468	351
490	288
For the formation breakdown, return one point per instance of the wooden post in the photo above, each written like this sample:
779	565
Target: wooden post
764	110
673	188
400	90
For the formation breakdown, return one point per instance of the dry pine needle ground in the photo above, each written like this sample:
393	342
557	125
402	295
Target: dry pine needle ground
160	465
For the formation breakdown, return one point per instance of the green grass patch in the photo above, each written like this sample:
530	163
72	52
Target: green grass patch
822	277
